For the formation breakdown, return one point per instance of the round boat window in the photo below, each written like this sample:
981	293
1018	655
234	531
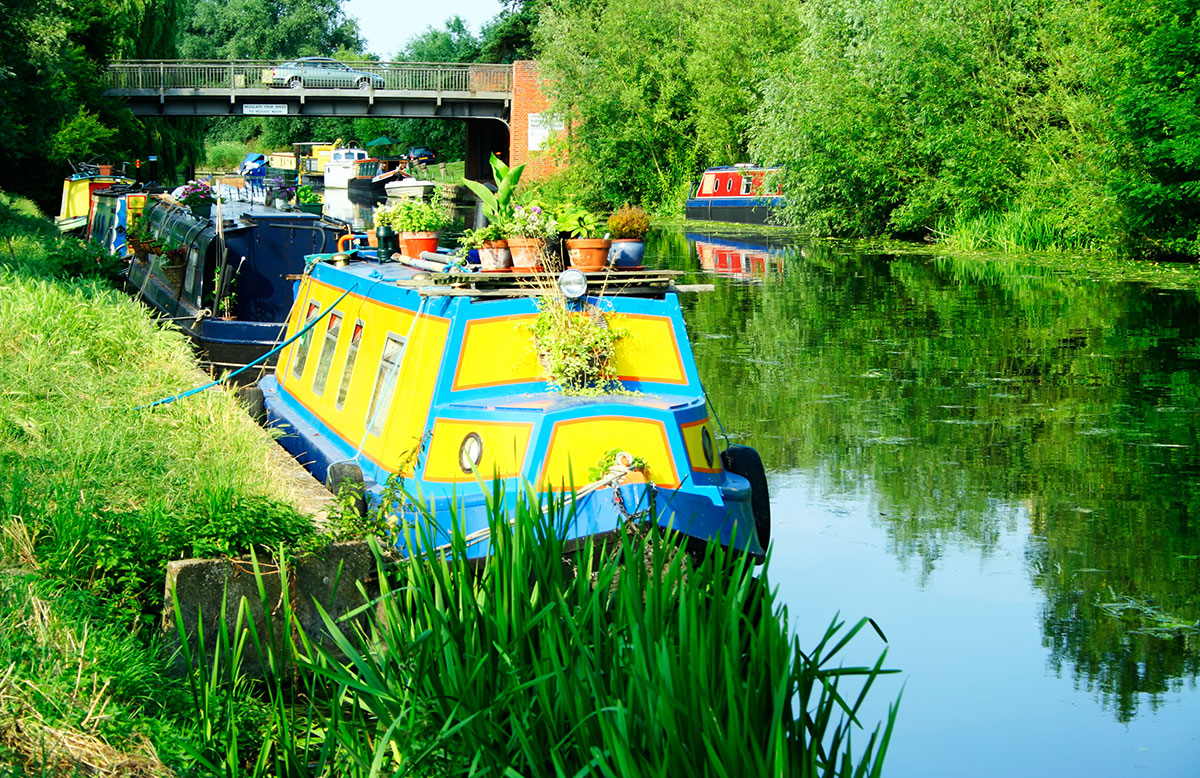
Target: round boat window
470	452
706	442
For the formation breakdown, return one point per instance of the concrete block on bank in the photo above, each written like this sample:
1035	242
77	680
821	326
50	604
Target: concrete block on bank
337	578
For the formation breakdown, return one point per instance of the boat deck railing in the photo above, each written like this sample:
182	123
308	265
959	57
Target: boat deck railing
630	283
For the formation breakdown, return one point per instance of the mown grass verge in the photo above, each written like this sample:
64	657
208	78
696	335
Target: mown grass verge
531	667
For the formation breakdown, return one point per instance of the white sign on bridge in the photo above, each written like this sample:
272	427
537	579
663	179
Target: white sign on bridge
265	109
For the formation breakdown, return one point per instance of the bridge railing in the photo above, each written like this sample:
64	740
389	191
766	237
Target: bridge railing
258	74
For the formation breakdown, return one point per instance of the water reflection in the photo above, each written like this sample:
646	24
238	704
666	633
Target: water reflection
750	257
956	406
357	212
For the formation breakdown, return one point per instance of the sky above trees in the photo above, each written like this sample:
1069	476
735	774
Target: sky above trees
387	25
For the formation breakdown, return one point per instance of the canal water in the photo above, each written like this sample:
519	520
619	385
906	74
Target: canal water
998	462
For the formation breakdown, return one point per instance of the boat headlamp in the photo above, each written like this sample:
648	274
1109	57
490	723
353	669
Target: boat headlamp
572	283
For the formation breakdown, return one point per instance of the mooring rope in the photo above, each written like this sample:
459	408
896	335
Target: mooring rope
260	360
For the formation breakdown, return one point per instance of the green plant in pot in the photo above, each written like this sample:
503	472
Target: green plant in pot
498	206
531	229
308	200
586	250
489	243
576	346
418	222
627	228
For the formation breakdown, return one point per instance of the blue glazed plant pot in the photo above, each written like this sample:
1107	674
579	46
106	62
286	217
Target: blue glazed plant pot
625	254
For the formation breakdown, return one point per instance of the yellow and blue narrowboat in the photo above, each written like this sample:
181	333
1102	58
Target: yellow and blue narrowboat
77	193
434	378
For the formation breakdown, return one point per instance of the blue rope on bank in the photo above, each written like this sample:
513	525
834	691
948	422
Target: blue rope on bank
260	360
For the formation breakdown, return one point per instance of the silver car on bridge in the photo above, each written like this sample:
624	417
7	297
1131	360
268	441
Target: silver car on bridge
323	73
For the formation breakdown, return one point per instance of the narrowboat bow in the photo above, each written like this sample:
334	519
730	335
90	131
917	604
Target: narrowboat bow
439	384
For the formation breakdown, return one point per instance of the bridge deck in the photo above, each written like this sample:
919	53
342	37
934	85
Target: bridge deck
415	90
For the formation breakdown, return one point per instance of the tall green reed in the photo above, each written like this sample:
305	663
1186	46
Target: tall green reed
625	655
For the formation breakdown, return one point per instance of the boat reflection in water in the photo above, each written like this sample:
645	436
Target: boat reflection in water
354	210
745	257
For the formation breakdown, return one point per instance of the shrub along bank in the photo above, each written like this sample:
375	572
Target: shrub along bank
529	667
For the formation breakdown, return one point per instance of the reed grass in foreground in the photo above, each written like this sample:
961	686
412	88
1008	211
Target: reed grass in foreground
628	659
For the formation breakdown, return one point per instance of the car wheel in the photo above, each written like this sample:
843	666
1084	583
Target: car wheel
363	83
296	82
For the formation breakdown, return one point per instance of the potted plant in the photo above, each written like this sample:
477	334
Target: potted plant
497	206
284	192
528	232
577	347
627	228
308	200
419	222
198	197
490	243
586	250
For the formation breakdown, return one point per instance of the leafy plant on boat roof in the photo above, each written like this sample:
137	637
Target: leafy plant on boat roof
490	233
578	221
532	221
577	347
196	193
306	195
629	222
411	214
497	206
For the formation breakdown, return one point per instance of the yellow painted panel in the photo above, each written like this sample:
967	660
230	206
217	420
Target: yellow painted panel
414	384
496	352
504	447
693	435
649	351
576	446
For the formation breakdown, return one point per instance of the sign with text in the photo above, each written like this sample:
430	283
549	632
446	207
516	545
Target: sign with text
265	109
540	128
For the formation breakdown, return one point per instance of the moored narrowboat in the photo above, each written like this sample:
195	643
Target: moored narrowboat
741	193
77	193
434	379
227	280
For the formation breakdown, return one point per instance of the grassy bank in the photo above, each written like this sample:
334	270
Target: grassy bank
96	497
531	667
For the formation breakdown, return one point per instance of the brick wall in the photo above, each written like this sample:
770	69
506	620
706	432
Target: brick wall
528	99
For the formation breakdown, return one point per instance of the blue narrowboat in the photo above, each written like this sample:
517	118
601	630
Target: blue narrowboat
227	280
392	371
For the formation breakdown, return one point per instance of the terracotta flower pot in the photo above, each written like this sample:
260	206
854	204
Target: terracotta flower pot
588	254
372	239
416	242
526	252
495	255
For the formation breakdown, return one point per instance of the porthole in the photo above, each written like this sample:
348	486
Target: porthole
470	453
706	443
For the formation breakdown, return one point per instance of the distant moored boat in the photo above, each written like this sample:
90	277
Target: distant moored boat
735	193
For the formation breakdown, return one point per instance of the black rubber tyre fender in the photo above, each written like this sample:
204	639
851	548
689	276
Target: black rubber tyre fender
349	475
251	398
745	461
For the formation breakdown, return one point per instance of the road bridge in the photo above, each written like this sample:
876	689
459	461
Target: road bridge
410	90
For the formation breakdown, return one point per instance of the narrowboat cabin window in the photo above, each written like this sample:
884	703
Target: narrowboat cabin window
747	183
385	383
729	184
305	339
348	369
325	361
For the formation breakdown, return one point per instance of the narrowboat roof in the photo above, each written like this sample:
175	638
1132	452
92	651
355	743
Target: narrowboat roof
463	283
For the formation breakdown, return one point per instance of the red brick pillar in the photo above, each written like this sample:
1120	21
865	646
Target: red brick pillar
529	101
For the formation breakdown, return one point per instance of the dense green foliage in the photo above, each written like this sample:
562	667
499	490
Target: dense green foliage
52	57
1016	124
646	108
